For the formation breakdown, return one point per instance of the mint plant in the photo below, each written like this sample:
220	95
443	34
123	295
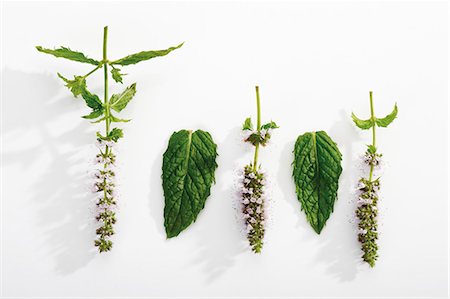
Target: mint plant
253	182
104	112
368	188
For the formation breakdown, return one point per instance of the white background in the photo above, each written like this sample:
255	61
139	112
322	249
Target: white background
314	62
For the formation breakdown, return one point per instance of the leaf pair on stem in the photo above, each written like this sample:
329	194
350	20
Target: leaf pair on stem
366	213
102	111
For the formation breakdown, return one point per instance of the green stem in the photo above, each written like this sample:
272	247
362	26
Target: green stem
105	68
106	102
98	66
258	127
372	113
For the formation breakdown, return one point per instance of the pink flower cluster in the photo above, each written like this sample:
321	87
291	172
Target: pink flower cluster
252	206
104	188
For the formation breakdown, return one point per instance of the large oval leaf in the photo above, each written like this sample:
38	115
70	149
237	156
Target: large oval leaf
188	169
317	167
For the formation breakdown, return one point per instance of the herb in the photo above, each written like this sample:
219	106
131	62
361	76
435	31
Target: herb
188	170
102	111
367	210
253	183
316	172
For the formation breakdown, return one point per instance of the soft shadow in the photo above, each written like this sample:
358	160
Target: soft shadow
340	250
216	248
286	182
31	106
287	185
156	201
219	247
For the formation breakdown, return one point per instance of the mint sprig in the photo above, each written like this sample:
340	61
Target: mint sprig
368	188
101	112
253	183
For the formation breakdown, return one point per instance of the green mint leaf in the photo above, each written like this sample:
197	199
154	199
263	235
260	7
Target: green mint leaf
117	76
385	121
371	149
120	101
68	54
115	119
316	171
92	100
188	169
271	125
248	125
254	138
94	114
362	124
76	86
115	134
144	55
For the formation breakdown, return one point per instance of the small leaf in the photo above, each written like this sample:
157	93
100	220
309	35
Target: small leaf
115	119
316	171
362	124
115	134
68	54
117	76
385	121
144	55
94	114
271	125
188	169
248	125
92	100
371	149
120	101
254	138
100	136
76	86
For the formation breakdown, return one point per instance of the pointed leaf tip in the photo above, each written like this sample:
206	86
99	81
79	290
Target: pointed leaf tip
144	55
385	121
248	125
67	53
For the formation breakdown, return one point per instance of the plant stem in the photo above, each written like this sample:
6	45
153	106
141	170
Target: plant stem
258	127
98	66
372	113
106	103
105	67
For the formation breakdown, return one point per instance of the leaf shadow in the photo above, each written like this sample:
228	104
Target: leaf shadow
218	254
156	201
217	248
287	185
62	211
286	182
340	248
